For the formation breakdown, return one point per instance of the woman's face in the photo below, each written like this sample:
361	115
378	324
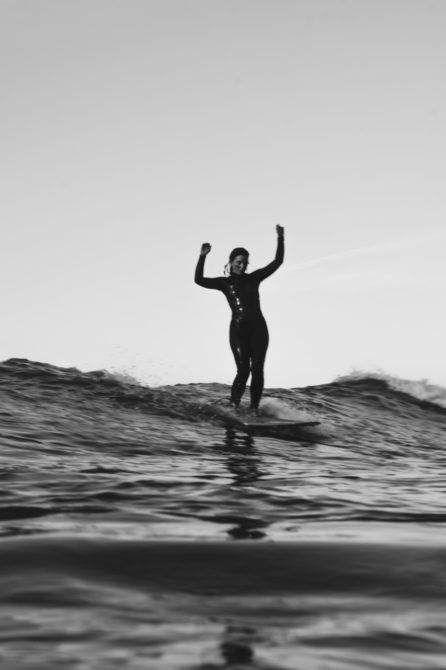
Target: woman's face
239	265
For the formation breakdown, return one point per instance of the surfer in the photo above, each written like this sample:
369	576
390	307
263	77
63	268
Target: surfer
248	332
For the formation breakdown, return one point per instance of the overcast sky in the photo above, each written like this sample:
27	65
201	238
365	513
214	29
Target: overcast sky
134	130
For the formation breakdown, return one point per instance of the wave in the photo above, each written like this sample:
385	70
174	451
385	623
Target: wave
79	601
421	389
225	568
30	379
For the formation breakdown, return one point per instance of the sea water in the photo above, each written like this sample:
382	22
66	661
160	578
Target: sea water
139	529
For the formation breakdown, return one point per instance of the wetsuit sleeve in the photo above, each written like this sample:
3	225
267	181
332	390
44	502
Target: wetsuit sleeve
206	282
263	273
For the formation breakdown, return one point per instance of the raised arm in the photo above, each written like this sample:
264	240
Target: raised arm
206	282
263	273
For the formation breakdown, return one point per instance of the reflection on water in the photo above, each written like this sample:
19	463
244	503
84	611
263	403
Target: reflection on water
236	647
242	459
248	529
243	462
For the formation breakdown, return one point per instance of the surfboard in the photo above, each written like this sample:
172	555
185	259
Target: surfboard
263	425
274	427
275	423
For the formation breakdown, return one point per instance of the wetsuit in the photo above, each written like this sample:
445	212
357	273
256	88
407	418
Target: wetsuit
248	332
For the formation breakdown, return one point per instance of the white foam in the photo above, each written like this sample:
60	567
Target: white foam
281	410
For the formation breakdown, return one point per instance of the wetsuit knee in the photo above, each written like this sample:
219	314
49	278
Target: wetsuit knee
257	367
243	370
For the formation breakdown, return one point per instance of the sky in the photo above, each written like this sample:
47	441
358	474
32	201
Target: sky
132	131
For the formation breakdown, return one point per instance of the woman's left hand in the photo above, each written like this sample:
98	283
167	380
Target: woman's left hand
280	230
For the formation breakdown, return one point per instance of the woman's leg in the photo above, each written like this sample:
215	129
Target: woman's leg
239	340
258	346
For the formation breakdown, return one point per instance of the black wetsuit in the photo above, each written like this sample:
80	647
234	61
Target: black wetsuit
248	332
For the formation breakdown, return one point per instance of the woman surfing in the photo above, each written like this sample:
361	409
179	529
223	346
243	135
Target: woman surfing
248	332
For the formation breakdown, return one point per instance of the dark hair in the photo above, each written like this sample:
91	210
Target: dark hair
238	251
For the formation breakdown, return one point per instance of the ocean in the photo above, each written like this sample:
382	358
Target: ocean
140	530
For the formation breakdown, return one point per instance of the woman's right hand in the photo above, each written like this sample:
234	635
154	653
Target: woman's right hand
205	249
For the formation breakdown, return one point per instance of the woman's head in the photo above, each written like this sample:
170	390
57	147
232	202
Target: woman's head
238	261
